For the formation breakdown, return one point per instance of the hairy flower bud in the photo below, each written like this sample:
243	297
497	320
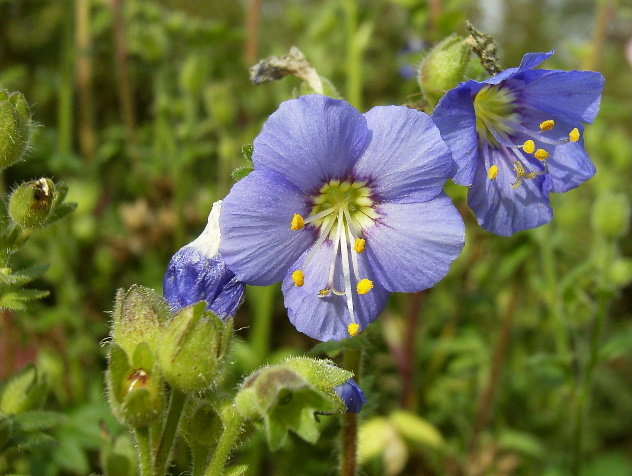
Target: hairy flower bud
197	272
443	68
139	314
192	347
15	128
31	203
289	395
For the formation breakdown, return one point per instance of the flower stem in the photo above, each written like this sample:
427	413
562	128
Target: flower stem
354	54
232	427
170	428
352	360
143	451
583	399
262	320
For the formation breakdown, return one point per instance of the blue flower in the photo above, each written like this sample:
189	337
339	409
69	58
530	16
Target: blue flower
197	272
345	208
518	136
352	395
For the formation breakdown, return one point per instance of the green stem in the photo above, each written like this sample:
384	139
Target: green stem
199	455
593	360
262	320
163	450
554	296
143	451
232	427
352	361
354	54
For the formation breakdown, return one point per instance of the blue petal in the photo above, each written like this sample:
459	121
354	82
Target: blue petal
412	245
327	317
571	94
310	140
257	242
407	160
504	210
529	61
352	395
456	120
192	276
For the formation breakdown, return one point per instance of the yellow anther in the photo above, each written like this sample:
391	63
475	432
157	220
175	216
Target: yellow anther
353	329
541	154
547	125
529	146
297	222
492	173
364	286
573	136
324	292
298	277
358	246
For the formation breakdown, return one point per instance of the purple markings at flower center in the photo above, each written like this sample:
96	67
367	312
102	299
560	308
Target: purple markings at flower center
340	211
501	126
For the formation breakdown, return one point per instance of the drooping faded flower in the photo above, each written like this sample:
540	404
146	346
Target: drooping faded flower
345	208
197	272
518	136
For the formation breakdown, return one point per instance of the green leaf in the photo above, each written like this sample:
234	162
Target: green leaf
333	348
241	172
16	300
416	429
34	441
38	420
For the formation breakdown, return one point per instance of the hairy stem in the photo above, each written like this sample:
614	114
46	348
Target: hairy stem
232	428
162	452
349	431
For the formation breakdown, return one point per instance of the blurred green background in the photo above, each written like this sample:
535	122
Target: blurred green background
518	363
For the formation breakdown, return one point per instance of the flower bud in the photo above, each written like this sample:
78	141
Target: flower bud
15	128
197	272
443	68
611	215
192	347
31	203
289	395
352	395
23	392
138	317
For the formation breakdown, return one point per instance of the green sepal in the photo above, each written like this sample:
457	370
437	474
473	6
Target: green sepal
200	424
23	392
139	314
241	172
192	347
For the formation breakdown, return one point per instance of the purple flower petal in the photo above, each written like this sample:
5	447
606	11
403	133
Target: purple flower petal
413	245
502	209
310	140
327	317
571	94
454	115
257	242
407	161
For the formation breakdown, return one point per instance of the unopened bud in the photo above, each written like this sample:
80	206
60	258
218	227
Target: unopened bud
31	203
443	68
352	395
192	348
139	314
15	128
